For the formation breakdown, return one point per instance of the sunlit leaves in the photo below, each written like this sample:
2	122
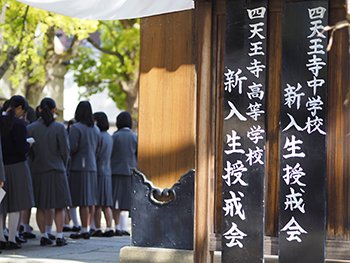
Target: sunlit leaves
100	70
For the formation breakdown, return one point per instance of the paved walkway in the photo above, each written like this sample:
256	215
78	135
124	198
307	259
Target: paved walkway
95	249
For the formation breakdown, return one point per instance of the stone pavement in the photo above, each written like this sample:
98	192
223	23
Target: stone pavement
95	249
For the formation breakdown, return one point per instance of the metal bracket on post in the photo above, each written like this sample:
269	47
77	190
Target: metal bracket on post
163	224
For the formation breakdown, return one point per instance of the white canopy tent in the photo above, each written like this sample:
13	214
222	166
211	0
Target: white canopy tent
110	9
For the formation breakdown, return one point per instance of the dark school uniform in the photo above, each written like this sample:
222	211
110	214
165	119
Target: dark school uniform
83	141
18	185
48	157
124	157
104	171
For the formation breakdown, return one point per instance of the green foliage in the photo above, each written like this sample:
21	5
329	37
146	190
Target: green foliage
116	63
28	29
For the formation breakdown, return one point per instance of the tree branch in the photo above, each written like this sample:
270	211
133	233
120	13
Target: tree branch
106	50
13	52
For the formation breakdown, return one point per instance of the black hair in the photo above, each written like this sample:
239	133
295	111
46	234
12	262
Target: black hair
31	117
70	123
37	112
101	121
5	105
124	120
46	106
83	114
13	103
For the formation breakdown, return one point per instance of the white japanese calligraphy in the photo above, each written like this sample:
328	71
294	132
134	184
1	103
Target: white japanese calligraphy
314	104
255	156
294	230
234	111
255	111
294	173
234	235
315	83
256	68
255	134
291	146
234	170
291	95
294	201
256	31
256	49
256	13
232	142
234	206
233	79
317	12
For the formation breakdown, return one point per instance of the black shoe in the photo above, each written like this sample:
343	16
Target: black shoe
6	237
76	229
11	245
125	233
61	242
21	228
52	237
21	240
45	241
97	233
67	229
28	235
92	231
85	235
109	233
118	233
2	245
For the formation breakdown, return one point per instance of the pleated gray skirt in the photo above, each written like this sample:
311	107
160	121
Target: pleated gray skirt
51	190
121	191
19	188
104	190
83	187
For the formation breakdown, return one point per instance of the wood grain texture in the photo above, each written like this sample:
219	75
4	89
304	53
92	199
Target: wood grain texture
167	107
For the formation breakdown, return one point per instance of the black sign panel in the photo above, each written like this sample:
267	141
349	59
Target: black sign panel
244	132
302	201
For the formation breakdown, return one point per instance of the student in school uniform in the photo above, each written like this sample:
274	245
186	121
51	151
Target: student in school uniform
104	178
18	185
124	157
2	172
83	140
49	156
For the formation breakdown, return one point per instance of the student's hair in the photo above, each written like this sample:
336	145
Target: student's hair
13	103
37	112
101	121
70	123
5	105
46	106
124	120
83	114
31	117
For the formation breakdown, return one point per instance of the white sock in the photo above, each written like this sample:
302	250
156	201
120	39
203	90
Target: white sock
44	235
117	227
73	215
84	230
123	221
13	219
109	229
49	229
59	235
92	224
66	226
26	228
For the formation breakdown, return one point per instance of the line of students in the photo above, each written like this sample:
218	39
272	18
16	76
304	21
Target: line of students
99	173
